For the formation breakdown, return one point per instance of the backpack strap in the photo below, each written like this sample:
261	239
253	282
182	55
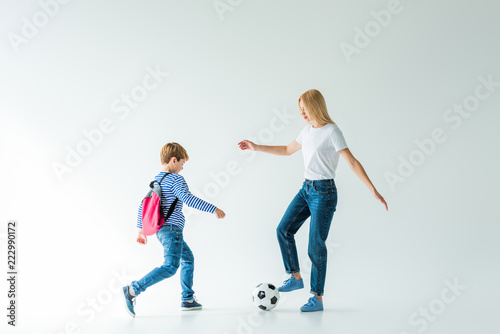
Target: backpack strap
172	207
152	184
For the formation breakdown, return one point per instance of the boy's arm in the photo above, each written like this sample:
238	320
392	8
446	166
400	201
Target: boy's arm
181	190
141	238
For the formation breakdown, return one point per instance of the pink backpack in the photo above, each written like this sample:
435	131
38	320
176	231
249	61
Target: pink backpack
152	215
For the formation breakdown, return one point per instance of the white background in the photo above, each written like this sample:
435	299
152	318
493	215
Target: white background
230	73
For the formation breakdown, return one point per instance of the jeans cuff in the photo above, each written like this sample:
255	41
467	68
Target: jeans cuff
293	271
316	293
131	287
135	290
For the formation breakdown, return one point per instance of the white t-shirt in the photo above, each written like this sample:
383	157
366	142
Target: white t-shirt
320	148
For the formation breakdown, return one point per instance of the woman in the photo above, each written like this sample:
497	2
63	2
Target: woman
322	143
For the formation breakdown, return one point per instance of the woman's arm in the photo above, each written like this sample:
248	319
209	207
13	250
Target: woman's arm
276	150
358	169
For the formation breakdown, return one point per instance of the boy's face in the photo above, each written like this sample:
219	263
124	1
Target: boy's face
178	165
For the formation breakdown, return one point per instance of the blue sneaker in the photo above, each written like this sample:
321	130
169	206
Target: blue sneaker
312	305
191	306
291	284
129	301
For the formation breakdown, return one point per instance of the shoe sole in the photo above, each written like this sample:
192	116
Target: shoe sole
290	290
191	308
126	304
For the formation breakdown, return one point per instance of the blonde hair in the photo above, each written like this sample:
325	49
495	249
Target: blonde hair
171	150
316	106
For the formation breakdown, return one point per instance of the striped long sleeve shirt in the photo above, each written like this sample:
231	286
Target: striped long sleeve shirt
173	186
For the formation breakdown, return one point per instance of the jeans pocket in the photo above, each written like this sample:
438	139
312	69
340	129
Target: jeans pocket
324	188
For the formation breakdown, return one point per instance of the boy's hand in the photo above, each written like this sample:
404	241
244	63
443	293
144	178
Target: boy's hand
141	238
219	213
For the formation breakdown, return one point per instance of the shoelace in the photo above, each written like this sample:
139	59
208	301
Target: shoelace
310	301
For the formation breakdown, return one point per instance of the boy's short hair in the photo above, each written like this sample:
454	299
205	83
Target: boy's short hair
170	150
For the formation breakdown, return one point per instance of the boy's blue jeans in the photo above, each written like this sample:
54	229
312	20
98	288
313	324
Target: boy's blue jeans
175	252
318	200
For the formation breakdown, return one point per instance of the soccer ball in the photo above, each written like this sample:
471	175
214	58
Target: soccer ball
265	296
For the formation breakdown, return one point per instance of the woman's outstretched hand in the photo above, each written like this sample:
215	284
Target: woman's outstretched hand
247	145
381	199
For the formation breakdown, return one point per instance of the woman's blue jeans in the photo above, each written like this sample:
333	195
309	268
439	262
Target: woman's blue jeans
175	252
316	199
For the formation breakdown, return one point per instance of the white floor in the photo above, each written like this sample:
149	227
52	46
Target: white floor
407	286
475	310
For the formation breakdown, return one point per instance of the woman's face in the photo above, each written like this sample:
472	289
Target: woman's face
304	113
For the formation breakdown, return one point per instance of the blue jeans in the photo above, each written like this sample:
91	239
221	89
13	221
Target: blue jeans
175	252
318	200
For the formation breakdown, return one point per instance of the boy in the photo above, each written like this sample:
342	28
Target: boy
175	250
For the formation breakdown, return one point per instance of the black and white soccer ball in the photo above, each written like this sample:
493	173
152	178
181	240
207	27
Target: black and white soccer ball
265	296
